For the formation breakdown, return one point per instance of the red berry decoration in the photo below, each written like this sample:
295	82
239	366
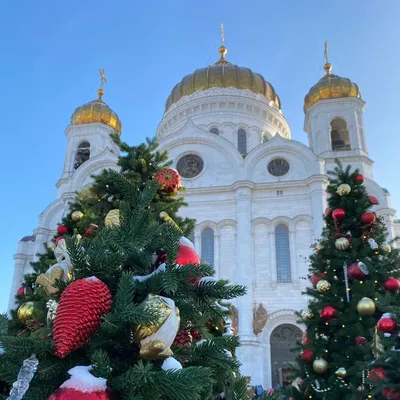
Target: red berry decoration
373	200
338	214
183	338
359	340
389	393
21	291
195	334
328	313
328	212
359	179
62	229
317	277
169	179
357	271
392	285
376	374
386	324
307	355
368	218
81	306
186	253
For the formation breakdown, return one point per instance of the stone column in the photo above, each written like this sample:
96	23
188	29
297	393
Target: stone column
20	260
217	266
42	235
272	256
244	259
318	201
197	242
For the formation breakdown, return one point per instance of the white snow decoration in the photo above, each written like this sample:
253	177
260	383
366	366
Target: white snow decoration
206	279
387	334
171	364
222	308
52	310
186	242
83	381
161	268
1	350
92	278
201	341
228	353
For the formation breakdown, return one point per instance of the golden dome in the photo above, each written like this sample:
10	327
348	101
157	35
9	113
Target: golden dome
222	74
97	111
331	87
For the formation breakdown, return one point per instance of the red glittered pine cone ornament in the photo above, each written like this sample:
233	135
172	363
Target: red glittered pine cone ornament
81	306
82	386
169	179
183	338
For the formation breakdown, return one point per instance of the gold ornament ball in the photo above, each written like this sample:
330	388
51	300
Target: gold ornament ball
306	314
323	286
342	243
112	218
76	216
366	307
341	373
343	189
386	247
320	366
28	311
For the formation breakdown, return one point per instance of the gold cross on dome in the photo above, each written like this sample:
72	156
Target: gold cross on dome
103	79
326	51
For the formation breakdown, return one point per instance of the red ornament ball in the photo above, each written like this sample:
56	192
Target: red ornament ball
307	355
328	313
373	200
62	229
169	179
195	334
368	218
21	291
386	324
389	393
392	285
79	312
317	277
376	374
359	179
357	271
186	253
338	214
328	212
359	340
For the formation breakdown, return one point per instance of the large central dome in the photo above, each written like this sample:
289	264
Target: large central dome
223	74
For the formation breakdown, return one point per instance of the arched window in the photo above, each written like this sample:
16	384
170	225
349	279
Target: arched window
339	135
282	249
82	154
242	141
207	246
215	131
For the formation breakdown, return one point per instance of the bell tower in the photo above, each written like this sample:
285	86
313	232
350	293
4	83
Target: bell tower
334	121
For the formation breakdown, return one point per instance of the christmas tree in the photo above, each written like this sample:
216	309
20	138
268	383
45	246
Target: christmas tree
354	283
121	306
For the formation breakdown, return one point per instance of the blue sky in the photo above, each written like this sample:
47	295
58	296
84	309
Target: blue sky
52	50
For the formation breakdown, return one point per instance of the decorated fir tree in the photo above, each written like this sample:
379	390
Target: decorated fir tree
122	307
354	283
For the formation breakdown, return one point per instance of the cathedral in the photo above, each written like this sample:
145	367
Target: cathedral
257	195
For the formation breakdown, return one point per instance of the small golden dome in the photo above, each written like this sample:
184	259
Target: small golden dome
97	111
331	87
222	74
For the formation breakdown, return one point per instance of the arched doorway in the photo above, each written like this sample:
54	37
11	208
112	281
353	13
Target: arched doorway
283	339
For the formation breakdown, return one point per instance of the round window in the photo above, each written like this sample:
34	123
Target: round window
190	165
278	167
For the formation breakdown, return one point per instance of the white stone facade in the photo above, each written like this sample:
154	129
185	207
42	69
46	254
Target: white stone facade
237	197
